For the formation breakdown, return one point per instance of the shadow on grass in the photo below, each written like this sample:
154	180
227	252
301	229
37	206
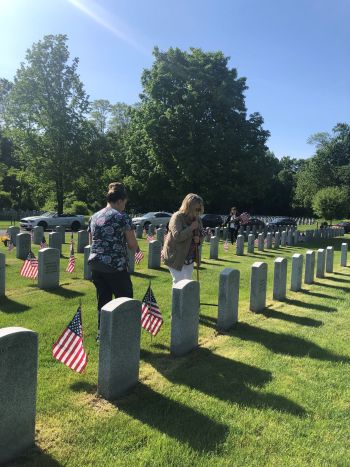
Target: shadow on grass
208	321
225	379
226	260
331	286
10	306
166	415
319	294
309	306
337	279
302	320
66	293
285	343
142	275
34	457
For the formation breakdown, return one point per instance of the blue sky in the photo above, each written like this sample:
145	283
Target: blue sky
295	54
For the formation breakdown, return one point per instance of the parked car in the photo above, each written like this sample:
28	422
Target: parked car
282	221
211	220
344	224
49	220
154	218
254	221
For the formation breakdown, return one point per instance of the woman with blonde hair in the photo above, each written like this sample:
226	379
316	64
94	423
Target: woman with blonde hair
184	237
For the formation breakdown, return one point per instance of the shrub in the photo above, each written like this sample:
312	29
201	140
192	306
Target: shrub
331	203
5	200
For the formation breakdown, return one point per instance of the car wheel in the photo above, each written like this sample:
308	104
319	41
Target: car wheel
75	226
42	224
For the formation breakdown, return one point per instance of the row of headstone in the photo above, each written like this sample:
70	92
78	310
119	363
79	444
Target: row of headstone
119	353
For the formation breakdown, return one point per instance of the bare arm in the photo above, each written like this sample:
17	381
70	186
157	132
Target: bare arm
131	240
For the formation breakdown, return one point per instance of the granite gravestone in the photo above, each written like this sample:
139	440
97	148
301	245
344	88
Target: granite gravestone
261	242
62	231
320	264
139	231
154	250
38	235
55	241
18	381
297	272
329	259
280	279
2	274
228	298
83	240
119	355
184	317
344	254
160	235
283	238
13	232
258	284
48	268
240	245
23	245
269	240
87	267
251	239
214	248
309	267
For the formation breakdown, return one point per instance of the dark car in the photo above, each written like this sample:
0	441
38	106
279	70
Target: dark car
211	220
255	221
283	221
346	226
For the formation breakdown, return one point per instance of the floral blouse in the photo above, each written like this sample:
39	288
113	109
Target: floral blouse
109	247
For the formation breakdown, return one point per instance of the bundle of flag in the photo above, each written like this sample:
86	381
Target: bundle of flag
71	261
69	348
139	257
244	218
149	238
151	317
226	245
30	267
43	243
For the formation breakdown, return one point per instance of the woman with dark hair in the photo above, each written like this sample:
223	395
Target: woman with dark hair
232	221
111	233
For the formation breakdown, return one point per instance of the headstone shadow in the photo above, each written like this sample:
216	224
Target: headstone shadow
319	294
332	286
223	378
168	416
35	457
11	306
66	293
285	344
310	306
302	320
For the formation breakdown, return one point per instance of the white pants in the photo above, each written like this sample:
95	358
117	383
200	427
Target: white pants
185	273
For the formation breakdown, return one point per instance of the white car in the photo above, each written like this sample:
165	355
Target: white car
154	218
49	220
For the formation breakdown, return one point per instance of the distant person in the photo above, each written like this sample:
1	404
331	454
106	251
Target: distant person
111	234
181	248
232	221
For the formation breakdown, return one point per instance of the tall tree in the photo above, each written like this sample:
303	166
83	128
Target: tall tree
191	133
46	110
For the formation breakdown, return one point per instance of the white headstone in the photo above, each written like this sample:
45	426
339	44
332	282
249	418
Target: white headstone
23	245
309	267
48	268
329	258
258	283
280	279
240	245
297	272
321	261
154	250
228	298
344	254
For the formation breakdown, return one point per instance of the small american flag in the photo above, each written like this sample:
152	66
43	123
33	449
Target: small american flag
226	245
149	238
43	243
30	267
151	317
69	348
244	218
71	261
139	257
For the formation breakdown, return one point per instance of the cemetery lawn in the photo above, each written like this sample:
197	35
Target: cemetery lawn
273	391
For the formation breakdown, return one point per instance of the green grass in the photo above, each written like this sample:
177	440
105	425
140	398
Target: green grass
274	391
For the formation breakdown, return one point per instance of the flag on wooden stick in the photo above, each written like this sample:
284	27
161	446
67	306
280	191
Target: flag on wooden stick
151	317
71	261
69	348
139	257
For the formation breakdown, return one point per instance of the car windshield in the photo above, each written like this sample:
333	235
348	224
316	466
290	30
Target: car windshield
48	214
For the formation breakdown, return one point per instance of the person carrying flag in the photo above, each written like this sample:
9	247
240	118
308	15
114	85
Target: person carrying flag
185	234
111	233
233	221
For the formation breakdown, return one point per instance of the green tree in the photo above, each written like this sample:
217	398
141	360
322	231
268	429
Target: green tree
191	133
331	203
100	114
330	167
45	114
